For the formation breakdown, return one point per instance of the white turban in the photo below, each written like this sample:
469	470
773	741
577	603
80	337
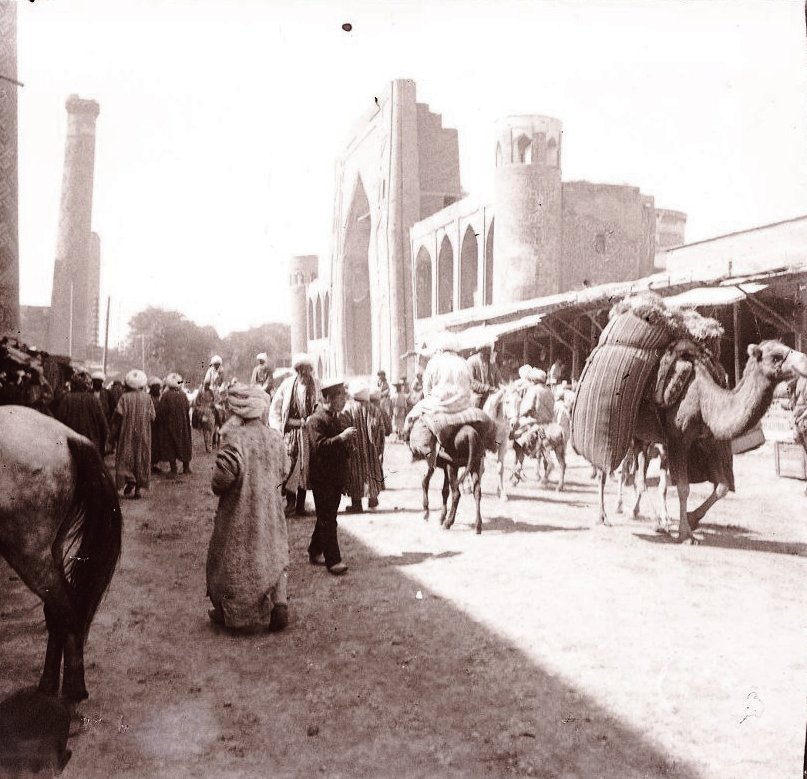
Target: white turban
173	380
302	359
538	376
215	360
359	389
248	402
135	379
447	342
262	357
155	381
524	371
98	375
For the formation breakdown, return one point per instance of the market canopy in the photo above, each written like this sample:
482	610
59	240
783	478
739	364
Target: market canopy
714	296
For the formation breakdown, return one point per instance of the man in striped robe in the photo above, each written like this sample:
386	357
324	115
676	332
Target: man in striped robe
365	475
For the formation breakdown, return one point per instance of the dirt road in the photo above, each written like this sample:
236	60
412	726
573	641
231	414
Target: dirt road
541	648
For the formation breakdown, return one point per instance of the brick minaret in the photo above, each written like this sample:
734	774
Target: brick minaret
74	332
9	244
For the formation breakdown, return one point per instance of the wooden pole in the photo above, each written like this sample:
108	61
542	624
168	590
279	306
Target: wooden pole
736	312
106	334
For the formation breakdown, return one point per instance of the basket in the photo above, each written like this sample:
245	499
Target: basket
791	460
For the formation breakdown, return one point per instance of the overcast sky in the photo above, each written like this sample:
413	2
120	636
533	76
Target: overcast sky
221	121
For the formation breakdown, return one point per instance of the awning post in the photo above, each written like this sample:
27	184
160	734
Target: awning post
735	308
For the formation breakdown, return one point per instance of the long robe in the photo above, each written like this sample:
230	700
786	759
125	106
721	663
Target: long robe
131	431
365	476
81	411
173	427
293	400
248	556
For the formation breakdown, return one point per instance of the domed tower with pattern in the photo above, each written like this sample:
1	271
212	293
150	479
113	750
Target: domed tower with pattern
528	198
302	271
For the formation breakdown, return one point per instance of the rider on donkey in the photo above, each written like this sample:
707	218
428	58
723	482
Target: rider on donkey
537	409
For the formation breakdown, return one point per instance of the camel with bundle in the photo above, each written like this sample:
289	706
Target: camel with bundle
654	377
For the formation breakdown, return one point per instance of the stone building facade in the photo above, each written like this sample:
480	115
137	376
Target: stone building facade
410	249
74	310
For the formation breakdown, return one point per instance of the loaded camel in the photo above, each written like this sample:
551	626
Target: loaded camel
706	417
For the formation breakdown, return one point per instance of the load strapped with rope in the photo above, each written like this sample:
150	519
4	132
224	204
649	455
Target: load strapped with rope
28	375
645	340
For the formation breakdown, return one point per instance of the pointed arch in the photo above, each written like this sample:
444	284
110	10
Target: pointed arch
489	265
524	149
498	155
469	269
326	315
358	327
318	314
311	332
552	153
423	284
445	277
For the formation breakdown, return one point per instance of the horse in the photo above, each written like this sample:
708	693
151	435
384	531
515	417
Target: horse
461	456
494	408
553	440
60	530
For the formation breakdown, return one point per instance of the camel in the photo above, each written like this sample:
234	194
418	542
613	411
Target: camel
707	416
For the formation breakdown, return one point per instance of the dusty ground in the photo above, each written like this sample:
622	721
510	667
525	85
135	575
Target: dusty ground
542	648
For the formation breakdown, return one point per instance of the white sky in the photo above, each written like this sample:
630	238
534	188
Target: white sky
221	121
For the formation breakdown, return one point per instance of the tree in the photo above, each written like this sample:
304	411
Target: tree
166	341
239	349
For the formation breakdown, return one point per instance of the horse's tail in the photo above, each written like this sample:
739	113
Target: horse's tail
93	530
476	451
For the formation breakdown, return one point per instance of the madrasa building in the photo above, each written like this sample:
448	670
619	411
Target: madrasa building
412	254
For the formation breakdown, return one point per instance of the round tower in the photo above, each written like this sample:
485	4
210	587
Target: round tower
527	236
302	271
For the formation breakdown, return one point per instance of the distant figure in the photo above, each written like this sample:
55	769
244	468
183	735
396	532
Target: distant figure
262	374
329	442
203	405
131	432
484	376
34	729
365	475
557	373
102	393
248	556
800	412
385	400
292	405
172	425
399	410
522	383
538	403
215	375
155	386
116	390
81	411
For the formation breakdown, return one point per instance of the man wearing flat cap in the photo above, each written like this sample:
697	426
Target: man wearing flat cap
292	405
329	442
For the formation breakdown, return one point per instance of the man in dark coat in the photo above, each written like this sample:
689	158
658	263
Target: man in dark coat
329	443
173	425
102	393
80	410
484	376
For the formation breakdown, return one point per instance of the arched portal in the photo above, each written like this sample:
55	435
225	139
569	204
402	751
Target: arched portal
423	284
318	313
311	333
489	266
469	269
319	368
445	277
326	316
358	334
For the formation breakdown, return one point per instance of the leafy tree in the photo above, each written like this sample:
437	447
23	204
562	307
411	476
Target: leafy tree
239	349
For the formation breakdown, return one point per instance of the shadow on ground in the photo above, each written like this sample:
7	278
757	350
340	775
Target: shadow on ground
368	680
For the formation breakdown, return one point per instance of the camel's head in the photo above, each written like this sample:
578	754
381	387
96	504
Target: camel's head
777	361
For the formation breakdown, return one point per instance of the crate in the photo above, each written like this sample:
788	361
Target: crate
777	423
791	460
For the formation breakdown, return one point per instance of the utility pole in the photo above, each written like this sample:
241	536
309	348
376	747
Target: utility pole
106	333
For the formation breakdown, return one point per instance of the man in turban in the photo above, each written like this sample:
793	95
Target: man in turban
131	433
248	555
102	393
81	411
173	426
292	405
262	374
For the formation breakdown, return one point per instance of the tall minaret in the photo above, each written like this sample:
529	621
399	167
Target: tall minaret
9	239
72	314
